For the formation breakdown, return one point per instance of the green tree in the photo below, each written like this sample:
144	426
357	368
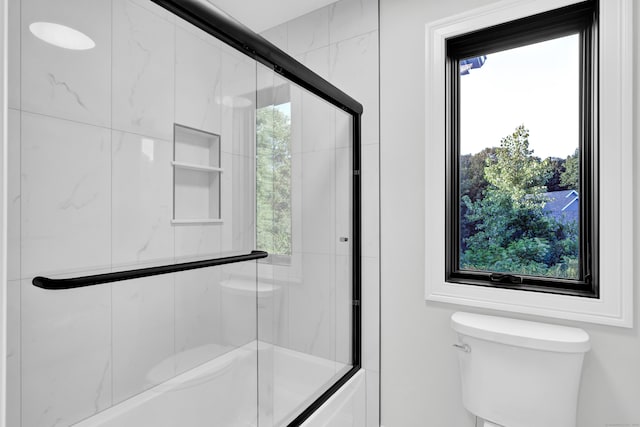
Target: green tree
512	232
516	172
557	169
273	183
472	186
571	176
472	180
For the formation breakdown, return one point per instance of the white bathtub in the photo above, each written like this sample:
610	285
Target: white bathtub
225	391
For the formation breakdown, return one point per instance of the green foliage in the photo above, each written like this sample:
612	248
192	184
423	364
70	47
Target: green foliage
273	183
516	172
571	176
472	181
557	169
506	228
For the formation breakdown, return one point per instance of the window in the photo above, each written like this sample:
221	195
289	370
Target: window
273	184
522	153
615	50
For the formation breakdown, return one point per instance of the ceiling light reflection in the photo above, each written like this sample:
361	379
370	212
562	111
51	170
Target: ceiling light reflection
61	36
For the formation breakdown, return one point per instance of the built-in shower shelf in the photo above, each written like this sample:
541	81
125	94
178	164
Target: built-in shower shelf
194	167
197	176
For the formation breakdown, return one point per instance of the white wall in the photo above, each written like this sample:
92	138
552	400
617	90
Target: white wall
3	203
340	43
420	383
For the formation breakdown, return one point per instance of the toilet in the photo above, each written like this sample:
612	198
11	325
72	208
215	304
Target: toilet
517	373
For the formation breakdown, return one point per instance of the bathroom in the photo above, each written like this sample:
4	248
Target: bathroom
375	52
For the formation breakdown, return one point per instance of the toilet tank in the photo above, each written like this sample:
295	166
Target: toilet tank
517	373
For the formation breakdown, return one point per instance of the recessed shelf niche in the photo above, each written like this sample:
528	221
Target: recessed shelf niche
196	176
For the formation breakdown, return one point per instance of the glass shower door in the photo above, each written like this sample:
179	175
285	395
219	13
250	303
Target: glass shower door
304	216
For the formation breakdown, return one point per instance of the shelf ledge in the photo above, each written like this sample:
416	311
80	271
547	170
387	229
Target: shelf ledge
197	221
196	167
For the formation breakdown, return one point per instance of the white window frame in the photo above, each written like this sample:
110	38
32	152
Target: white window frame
615	305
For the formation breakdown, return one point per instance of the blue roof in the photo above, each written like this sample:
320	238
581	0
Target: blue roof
563	205
469	63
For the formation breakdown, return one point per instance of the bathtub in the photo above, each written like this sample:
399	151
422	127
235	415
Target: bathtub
225	392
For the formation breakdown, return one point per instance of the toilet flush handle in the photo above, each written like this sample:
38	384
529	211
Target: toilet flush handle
463	347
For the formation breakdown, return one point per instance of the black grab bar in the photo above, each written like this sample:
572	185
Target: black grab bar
97	279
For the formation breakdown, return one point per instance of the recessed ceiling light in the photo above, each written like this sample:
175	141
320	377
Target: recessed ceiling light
61	36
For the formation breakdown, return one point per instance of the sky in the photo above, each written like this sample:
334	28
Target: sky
535	85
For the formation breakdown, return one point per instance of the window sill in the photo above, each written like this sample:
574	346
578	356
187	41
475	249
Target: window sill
615	304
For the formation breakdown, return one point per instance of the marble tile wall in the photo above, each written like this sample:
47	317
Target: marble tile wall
90	190
340	43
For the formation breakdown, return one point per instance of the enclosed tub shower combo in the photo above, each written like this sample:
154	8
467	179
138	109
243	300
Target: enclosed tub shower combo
184	243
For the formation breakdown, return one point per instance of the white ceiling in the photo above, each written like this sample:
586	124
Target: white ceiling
260	15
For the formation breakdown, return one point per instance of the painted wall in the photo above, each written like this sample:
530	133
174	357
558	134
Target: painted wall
420	383
340	43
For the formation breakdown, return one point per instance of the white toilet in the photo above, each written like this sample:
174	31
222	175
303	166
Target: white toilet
517	373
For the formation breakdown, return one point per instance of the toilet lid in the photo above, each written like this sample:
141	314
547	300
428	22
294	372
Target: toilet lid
521	333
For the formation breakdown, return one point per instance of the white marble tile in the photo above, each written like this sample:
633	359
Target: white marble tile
296	204
370	181
296	94
65	83
312	307
66	196
373	398
318	205
354	68
278	36
143	335
142	199
317	60
350	18
281	277
318	124
13	195
198	317
371	314
143	71
14	355
308	32
194	30
66	354
268	305
156	9
198	82
238	203
194	240
238	100
344	130
344	202
13	55
344	305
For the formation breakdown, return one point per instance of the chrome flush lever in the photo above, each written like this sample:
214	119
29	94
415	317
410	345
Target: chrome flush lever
463	347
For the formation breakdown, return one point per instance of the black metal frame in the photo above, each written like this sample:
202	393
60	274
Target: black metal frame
582	19
205	16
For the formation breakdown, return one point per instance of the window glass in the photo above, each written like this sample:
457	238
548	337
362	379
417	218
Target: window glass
519	139
273	185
